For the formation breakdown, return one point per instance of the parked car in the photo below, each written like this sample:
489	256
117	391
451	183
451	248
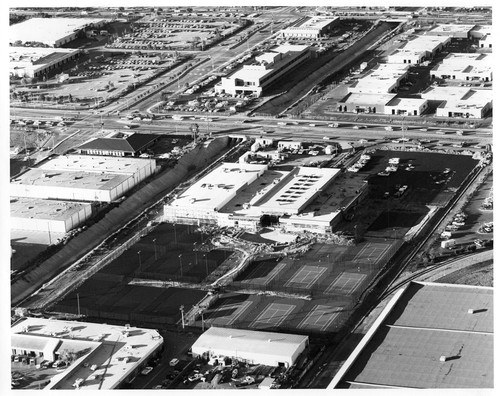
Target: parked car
146	370
174	362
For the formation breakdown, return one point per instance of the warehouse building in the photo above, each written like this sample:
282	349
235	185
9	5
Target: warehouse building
483	33
53	32
82	178
254	347
429	335
452	30
31	214
254	78
384	78
461	102
365	103
38	61
101	356
119	144
309	28
464	67
419	49
406	106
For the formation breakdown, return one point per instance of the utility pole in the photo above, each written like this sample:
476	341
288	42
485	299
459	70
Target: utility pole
180	262
156	255
140	261
78	302
182	314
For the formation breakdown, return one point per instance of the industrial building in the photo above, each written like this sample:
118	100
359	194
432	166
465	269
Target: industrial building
53	32
382	79
406	106
249	195
309	28
483	33
119	144
102	356
38	61
47	215
82	178
452	30
254	347
419	49
252	79
465	67
429	335
460	102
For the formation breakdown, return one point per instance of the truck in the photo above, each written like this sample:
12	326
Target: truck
448	244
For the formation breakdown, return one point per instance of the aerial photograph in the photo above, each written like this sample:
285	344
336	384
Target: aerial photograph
250	197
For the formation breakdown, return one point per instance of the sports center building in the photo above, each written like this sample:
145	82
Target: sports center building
251	195
82	178
430	335
53	32
102	356
254	347
265	69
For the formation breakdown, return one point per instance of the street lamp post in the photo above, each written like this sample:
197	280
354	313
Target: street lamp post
180	262
140	261
156	254
78	302
175	235
206	263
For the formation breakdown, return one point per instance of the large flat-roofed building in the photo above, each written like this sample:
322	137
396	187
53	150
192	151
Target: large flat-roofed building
118	144
254	347
364	103
406	106
207	196
100	356
452	30
53	32
382	79
419	49
309	27
483	33
37	61
460	101
429	335
241	195
33	214
464	66
82	178
266	68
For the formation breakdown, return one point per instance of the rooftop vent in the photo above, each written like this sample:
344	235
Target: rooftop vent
472	311
444	358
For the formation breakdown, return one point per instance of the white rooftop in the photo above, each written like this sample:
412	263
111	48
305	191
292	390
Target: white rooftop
44	209
371	99
106	346
220	185
425	43
248	341
295	190
48	30
96	164
451	28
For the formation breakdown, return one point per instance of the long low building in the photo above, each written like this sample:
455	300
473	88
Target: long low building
254	347
98	356
31	214
310	28
53	32
465	67
419	49
429	336
82	178
266	68
38	61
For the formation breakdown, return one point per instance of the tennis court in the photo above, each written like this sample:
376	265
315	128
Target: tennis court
320	318
273	315
227	314
371	253
261	275
306	276
346	283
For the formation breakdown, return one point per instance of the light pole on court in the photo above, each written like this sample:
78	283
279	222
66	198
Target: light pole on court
140	261
156	254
